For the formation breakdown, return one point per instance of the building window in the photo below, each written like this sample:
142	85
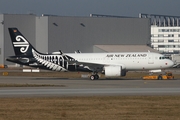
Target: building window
170	35
161	46
166	30
177	46
154	41
160	41
169	30
161	51
176	51
170	40
176	41
171	46
153	35
163	30
160	35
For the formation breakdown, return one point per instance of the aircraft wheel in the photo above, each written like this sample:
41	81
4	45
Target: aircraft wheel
159	77
92	77
96	77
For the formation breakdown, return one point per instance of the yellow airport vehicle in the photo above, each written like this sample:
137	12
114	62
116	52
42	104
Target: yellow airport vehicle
3	66
166	76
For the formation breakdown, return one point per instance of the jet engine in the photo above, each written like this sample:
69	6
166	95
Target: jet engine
114	71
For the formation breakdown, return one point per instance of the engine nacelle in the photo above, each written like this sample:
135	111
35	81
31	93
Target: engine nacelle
115	71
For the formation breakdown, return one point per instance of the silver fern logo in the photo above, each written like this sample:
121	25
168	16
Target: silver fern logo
24	45
52	62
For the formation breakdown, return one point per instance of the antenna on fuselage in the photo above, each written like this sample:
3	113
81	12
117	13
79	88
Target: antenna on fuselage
78	51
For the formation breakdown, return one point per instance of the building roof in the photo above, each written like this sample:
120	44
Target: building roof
125	48
162	20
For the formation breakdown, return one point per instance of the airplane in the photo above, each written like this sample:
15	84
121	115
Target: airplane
111	64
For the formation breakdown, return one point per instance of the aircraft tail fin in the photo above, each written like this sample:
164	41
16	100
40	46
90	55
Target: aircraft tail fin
20	44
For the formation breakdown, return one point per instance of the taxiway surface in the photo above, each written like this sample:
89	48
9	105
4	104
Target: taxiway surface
86	87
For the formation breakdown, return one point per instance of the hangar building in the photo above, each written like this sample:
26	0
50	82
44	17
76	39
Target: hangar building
49	33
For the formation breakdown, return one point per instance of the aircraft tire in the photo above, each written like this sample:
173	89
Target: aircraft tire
96	77
159	77
92	77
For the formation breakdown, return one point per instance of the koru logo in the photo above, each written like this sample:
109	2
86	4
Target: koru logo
22	43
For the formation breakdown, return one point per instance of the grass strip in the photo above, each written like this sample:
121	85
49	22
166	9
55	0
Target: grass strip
91	108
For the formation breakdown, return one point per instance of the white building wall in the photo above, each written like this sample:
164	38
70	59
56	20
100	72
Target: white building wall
166	39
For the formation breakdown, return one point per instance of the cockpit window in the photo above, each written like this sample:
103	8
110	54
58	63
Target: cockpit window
163	57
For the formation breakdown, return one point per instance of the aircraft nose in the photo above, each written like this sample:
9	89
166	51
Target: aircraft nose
170	63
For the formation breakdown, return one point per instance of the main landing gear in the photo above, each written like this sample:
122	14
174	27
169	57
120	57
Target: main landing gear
94	77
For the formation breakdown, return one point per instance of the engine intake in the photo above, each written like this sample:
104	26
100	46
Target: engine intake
114	71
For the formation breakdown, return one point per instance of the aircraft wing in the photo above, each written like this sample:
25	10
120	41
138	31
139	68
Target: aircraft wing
93	66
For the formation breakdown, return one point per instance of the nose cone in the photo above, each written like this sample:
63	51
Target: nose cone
170	63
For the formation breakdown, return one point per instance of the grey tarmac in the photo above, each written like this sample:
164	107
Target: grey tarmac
86	87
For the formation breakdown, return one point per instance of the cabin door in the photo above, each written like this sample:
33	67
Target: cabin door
150	59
